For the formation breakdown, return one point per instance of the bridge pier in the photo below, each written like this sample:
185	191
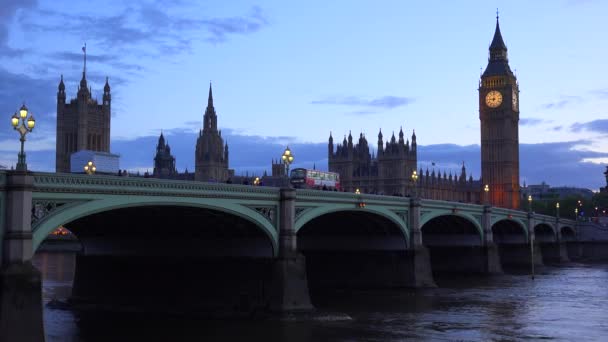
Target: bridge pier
493	259
493	265
21	285
289	291
422	270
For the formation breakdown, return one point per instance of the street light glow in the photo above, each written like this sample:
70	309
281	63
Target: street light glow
26	127
23	111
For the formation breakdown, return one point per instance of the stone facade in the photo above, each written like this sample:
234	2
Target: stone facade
211	156
82	124
499	116
389	173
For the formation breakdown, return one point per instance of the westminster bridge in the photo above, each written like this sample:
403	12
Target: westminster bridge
252	247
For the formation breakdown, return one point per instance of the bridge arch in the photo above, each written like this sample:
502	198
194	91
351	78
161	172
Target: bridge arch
455	243
77	211
545	233
509	231
462	217
310	214
567	233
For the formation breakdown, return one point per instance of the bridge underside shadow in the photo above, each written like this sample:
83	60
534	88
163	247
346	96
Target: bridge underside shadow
354	250
513	246
550	249
455	246
172	258
573	247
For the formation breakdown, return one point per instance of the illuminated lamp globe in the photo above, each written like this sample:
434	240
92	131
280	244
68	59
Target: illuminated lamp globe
31	122
23	111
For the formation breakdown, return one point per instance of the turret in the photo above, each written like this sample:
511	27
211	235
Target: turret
463	173
401	141
330	146
414	144
161	143
210	117
61	91
226	153
107	97
380	148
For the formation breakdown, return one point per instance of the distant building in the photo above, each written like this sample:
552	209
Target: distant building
104	162
82	124
211	157
164	162
278	178
543	191
390	172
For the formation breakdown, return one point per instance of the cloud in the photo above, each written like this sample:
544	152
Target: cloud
563	102
598	126
361	112
386	102
220	28
601	93
148	29
530	121
39	96
8	9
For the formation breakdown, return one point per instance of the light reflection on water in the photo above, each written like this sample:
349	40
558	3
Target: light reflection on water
565	303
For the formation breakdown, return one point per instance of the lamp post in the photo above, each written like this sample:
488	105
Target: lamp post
256	181
486	190
90	168
26	127
415	180
287	158
557	210
576	214
529	203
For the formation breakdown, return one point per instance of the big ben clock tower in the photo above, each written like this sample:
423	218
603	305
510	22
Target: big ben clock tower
499	116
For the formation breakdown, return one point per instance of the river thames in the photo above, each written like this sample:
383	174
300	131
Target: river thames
565	303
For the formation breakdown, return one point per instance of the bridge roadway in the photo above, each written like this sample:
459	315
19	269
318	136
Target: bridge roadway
259	247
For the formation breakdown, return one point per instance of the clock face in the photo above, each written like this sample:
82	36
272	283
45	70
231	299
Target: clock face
514	99
494	99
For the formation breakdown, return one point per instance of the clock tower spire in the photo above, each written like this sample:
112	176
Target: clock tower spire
499	116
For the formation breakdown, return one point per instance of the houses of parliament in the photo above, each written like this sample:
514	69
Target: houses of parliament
85	124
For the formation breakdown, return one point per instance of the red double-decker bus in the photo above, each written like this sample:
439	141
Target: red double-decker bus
315	179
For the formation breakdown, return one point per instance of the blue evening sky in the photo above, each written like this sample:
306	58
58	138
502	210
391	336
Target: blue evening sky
291	72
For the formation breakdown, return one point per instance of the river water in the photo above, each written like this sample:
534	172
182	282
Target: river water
566	303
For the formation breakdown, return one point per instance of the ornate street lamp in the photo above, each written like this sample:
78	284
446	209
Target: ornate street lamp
576	213
90	168
287	158
256	181
414	180
557	209
486	190
26	127
530	203
357	191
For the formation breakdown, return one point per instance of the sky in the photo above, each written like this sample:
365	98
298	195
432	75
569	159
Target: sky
289	74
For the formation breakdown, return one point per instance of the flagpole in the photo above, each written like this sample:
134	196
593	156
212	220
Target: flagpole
84	49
